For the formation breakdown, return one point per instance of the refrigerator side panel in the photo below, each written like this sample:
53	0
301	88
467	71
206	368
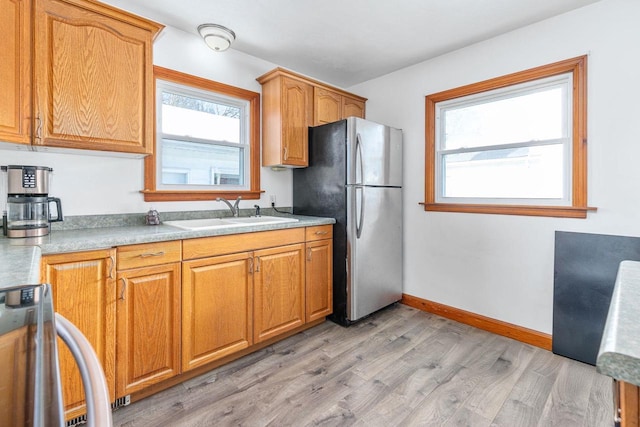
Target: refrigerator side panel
319	190
374	154
374	249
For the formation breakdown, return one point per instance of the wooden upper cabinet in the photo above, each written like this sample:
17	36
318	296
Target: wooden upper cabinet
352	107
295	116
93	77
327	106
15	71
290	104
286	117
330	106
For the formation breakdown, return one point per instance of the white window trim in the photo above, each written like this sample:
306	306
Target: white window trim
565	81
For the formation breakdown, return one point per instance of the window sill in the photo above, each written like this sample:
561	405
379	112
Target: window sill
184	196
549	211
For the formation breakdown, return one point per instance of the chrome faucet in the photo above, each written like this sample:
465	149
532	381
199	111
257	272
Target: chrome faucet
235	210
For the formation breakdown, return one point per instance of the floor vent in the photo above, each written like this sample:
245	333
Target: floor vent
82	419
123	401
77	421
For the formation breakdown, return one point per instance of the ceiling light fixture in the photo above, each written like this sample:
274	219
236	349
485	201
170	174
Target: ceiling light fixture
216	36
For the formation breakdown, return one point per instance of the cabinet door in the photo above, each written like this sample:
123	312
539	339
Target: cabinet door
15	70
296	118
93	77
629	401
83	290
278	290
319	279
216	308
327	106
148	332
13	387
352	108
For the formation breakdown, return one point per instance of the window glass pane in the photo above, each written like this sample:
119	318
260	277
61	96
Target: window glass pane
519	173
201	164
533	116
197	118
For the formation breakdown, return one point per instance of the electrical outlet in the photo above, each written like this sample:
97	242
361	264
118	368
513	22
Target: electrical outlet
273	199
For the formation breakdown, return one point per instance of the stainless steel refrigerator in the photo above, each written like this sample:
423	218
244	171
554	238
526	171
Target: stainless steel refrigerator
355	176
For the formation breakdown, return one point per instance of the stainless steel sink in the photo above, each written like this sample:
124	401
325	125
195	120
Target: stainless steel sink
214	223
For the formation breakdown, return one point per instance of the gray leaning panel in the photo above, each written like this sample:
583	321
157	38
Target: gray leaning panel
585	269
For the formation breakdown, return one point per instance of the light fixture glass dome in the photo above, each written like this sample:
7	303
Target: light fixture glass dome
216	36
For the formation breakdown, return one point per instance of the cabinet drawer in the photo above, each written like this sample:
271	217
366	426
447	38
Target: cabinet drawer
232	243
319	232
146	254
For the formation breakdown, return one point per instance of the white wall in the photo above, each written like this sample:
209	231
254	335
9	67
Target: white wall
90	184
502	266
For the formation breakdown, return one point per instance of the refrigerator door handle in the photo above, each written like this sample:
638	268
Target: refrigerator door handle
360	216
359	162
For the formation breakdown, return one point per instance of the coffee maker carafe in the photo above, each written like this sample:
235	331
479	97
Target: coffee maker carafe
28	201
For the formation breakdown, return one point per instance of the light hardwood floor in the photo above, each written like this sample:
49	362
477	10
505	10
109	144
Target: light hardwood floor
399	367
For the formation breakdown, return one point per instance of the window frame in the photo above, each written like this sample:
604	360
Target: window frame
578	207
153	194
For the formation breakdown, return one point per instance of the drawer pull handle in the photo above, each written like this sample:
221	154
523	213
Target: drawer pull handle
250	265
321	233
257	264
308	254
150	254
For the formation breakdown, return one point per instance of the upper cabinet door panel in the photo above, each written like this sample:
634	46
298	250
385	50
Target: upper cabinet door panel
327	106
15	70
94	78
296	116
353	108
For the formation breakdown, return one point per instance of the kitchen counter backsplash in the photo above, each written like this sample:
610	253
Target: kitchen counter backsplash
128	220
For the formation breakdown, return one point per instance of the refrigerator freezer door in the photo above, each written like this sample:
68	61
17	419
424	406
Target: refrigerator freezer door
374	154
374	249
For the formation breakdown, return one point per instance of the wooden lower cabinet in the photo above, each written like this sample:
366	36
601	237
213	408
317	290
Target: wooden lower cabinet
154	315
13	388
279	292
216	307
84	292
628	400
319	279
148	326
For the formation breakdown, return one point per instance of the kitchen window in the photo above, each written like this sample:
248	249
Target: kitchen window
207	140
511	145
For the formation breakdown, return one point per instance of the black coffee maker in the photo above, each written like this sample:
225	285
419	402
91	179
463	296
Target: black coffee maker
28	202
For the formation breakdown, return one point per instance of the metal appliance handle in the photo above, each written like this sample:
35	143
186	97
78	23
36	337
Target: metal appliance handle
93	380
58	217
359	161
360	218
